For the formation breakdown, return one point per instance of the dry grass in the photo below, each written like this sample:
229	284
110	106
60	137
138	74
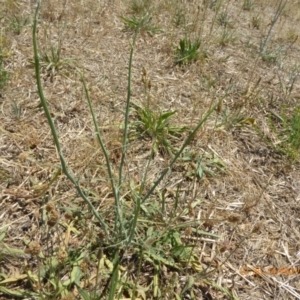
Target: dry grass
235	201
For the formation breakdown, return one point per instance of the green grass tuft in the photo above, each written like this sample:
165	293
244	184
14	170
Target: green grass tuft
187	52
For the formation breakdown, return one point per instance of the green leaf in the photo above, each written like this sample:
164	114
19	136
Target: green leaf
161	259
167	115
15	293
188	285
14	279
200	172
114	277
82	292
3	233
182	252
76	274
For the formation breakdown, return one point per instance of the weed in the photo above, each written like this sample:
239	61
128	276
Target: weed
271	56
51	60
213	4
235	117
294	130
128	234
227	37
291	36
141	23
224	20
256	22
248	5
138	7
5	176
179	18
289	134
187	52
16	110
157	127
124	224
4	75
203	164
208	82
17	23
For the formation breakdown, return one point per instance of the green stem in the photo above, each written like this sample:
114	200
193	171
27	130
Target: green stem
52	126
126	121
108	166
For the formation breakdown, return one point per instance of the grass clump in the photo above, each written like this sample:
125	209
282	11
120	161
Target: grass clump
16	110
203	164
288	132
4	74
272	56
227	37
51	60
157	127
234	118
139	7
179	18
248	5
256	22
17	23
187	52
224	20
293	132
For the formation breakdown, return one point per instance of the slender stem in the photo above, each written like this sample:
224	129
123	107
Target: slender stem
126	121
280	8
108	166
52	126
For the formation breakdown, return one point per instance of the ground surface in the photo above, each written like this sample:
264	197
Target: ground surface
241	214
